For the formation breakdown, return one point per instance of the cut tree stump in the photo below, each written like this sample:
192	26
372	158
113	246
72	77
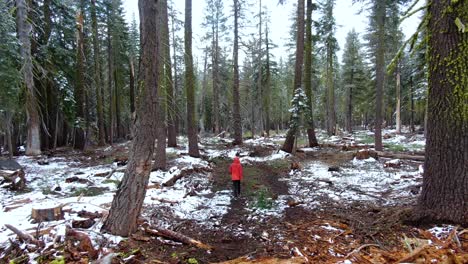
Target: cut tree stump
47	214
16	178
177	237
365	154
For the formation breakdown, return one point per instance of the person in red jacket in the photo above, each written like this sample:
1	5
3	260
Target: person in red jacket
236	175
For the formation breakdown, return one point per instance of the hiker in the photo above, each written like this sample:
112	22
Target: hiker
236	175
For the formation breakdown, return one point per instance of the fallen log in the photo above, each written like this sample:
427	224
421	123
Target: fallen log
183	173
399	156
346	147
16	178
47	214
166	233
25	236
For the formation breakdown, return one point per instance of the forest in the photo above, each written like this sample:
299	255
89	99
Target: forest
141	141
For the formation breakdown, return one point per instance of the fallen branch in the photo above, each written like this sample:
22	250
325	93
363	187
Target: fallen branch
183	173
25	236
360	248
177	237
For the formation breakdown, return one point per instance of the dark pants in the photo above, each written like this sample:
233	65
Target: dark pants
236	188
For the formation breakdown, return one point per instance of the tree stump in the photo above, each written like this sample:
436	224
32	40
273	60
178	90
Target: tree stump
47	214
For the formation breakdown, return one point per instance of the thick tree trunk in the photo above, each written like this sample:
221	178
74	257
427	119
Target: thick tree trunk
331	116
190	84
79	93
237	122
349	104
292	133
128	201
445	185
176	80
161	128
203	104
97	76
308	77
380	72
259	65
33	145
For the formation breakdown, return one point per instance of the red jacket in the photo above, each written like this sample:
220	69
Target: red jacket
236	170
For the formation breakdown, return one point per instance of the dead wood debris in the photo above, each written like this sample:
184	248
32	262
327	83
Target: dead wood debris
15	179
166	233
185	172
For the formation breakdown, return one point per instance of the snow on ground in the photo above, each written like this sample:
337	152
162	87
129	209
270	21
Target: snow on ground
357	180
191	198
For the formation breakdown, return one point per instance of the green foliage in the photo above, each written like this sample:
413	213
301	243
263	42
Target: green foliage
192	261
59	260
264	200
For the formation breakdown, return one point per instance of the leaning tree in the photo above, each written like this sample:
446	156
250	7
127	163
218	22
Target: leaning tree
128	201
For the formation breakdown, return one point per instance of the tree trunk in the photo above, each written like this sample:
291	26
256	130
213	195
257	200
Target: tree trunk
445	182
33	145
97	76
170	94
128	201
292	133
110	77
412	106
79	93
398	100
8	127
349	104
267	88
190	83
308	77
203	104
176	80
215	73
132	86
237	122
161	130
331	116
260	74
380	72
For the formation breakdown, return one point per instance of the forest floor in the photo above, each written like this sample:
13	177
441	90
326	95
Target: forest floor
333	208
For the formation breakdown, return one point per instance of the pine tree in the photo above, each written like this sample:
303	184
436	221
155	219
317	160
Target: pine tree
308	74
190	83
445	184
24	28
128	201
237	123
353	75
288	145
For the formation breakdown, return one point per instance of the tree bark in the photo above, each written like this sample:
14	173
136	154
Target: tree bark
110	77
445	182
97	76
170	95
308	77
380	72
128	201
398	100
79	93
161	128
33	144
237	124
412	106
260	74
267	88
215	73
190	83
292	132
